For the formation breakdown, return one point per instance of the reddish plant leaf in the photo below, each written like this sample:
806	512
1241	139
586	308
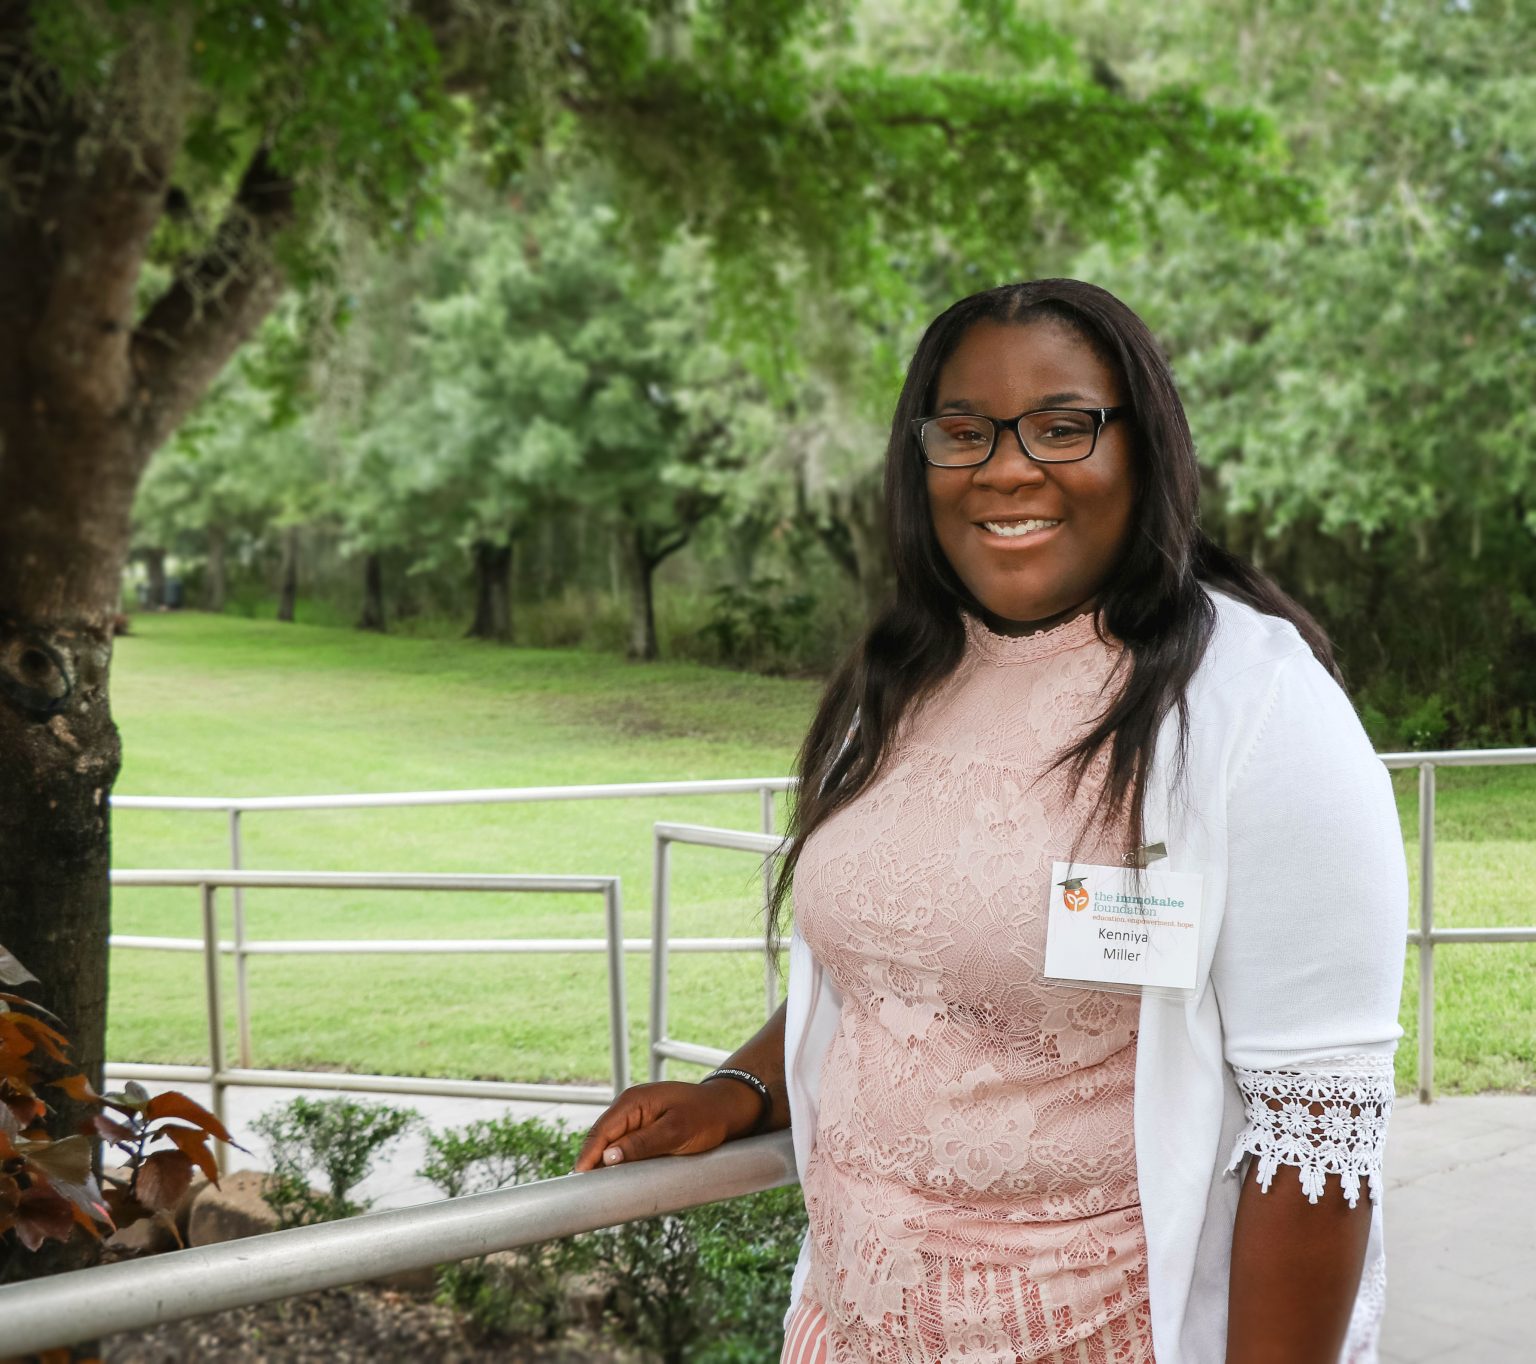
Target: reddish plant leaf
101	1125
79	1089
7	1146
194	1146
10	1194
85	1197
163	1178
13	1039
33	1005
68	1159
123	1207
42	1215
174	1105
50	1039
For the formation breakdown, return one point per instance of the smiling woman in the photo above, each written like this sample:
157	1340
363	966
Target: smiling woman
1031	535
1007	1161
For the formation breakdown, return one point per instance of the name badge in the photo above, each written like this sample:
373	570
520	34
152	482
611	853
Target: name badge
1120	927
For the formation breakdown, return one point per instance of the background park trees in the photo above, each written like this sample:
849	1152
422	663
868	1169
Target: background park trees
169	168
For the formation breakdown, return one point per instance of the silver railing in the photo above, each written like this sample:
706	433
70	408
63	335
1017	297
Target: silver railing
134	1295
1427	936
235	807
217	1075
766	846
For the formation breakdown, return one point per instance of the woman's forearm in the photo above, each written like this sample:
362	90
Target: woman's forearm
763	1056
1295	1271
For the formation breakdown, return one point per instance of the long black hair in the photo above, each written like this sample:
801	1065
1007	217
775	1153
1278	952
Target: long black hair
1153	602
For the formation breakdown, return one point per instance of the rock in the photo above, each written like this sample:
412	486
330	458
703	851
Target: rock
148	1236
230	1210
182	1213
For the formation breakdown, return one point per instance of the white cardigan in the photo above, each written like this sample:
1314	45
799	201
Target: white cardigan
1285	1050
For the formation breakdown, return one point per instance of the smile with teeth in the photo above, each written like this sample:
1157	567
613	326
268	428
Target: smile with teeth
1013	529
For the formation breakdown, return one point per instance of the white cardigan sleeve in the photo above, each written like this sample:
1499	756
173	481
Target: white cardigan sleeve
1309	961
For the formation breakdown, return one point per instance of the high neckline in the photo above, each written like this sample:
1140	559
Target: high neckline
986	642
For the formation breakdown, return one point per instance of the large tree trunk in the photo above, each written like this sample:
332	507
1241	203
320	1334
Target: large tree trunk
89	388
288	591
215	577
154	568
373	617
493	592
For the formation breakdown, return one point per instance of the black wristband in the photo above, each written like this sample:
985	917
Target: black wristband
747	1078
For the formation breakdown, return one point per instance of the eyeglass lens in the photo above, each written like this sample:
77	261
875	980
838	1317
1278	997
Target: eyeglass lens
966	439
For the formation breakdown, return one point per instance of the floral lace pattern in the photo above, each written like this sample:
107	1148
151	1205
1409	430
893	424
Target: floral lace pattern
1329	1121
972	1183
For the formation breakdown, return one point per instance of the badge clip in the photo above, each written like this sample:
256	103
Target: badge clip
1144	855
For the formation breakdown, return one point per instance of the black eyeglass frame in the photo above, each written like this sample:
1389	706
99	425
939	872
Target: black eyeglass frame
1102	417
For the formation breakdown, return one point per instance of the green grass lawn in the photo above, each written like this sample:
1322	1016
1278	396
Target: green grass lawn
214	705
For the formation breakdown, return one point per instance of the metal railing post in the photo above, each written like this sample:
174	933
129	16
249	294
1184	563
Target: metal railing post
618	1009
770	961
215	1013
660	930
242	986
1426	932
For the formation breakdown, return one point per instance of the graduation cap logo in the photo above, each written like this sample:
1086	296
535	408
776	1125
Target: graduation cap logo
1073	896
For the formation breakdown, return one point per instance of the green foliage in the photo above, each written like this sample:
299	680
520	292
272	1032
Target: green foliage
523	1294
336	1140
754	624
347	96
495	1153
650	1270
747	1253
707	1285
1358	386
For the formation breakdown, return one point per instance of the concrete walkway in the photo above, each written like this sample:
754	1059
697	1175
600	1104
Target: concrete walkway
1461	1211
1461	1231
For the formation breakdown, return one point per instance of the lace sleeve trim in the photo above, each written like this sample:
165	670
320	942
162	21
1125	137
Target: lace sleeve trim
1327	1121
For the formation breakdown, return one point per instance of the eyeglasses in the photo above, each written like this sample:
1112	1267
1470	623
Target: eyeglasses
1053	435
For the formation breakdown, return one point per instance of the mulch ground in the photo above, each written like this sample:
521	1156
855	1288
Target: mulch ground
338	1326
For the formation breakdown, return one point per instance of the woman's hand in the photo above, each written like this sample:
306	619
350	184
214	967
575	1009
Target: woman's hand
673	1119
669	1119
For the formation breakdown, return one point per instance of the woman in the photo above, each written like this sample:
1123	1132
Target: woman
999	1164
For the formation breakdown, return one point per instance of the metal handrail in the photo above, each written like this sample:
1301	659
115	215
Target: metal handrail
218	1076
1426	936
493	795
134	1295
236	806
768	846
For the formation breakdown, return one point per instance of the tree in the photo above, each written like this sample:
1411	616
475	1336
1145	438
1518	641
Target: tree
167	166
1360	383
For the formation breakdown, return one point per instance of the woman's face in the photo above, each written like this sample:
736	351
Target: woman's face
1031	581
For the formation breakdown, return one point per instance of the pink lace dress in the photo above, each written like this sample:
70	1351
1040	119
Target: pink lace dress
972	1185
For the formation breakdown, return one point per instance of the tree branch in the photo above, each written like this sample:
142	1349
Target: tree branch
84	227
215	303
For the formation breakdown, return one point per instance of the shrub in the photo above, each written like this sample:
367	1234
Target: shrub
708	1286
747	1252
335	1139
524	1294
756	625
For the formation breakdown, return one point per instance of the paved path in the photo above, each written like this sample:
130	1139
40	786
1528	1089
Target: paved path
1461	1213
1461	1232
